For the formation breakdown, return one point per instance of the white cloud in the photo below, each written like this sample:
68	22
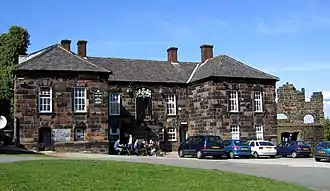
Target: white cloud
326	95
326	108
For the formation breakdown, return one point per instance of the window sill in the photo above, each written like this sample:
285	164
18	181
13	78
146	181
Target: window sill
234	112
46	113
80	112
258	111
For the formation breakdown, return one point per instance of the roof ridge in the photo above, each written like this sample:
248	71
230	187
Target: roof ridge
138	59
85	60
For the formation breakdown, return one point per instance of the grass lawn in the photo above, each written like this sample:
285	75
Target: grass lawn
78	175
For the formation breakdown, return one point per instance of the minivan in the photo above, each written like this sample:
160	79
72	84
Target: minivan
202	145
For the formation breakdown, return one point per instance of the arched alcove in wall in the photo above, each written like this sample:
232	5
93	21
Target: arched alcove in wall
282	116
308	119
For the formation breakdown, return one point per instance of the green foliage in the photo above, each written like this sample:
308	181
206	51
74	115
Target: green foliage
12	44
326	128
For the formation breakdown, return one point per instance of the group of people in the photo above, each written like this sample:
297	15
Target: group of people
139	147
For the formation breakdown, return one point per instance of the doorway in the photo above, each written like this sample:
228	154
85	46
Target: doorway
45	142
183	133
287	136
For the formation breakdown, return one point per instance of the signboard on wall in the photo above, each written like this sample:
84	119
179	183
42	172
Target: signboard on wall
62	135
97	97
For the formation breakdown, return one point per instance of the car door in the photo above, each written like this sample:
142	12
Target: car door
185	145
279	149
289	147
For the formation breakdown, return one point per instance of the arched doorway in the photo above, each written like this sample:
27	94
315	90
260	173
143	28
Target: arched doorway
289	136
45	142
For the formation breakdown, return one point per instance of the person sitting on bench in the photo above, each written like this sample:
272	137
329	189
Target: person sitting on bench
136	146
117	146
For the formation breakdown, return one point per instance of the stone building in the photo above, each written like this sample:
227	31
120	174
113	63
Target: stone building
77	102
299	119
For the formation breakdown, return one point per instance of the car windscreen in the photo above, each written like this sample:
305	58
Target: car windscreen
263	143
215	140
301	143
240	143
326	145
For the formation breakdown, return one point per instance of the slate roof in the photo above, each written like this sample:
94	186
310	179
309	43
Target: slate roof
145	70
225	66
56	58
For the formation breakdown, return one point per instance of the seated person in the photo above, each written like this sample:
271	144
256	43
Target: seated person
136	146
153	147
117	146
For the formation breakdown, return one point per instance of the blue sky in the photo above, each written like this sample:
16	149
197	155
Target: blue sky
287	38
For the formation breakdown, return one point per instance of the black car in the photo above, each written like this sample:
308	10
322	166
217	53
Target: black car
201	146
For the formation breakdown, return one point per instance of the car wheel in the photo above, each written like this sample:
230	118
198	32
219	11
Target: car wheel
199	154
294	154
256	155
317	159
272	156
181	153
231	155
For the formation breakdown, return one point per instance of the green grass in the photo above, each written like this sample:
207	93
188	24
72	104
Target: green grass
78	175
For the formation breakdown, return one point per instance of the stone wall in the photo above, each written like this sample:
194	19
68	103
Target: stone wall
94	121
208	103
292	109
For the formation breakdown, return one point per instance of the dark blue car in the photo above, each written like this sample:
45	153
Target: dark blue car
201	146
237	148
322	151
294	149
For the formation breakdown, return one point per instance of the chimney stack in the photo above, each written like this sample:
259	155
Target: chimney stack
172	54
206	52
82	48
66	44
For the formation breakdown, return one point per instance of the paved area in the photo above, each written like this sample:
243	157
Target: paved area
300	171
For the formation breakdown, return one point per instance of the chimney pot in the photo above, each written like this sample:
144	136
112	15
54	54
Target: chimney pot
206	52
82	48
66	44
172	54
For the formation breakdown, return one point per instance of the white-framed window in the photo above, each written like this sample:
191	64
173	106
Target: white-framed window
234	131
233	101
114	104
171	134
45	100
79	134
161	134
171	104
80	99
259	131
257	101
114	130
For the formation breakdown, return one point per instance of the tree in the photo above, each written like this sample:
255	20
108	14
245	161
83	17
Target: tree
12	44
326	128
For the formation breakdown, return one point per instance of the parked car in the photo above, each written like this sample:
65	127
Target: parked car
237	148
322	151
262	148
294	149
201	146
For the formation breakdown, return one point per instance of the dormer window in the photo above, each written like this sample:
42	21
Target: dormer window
45	102
171	104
